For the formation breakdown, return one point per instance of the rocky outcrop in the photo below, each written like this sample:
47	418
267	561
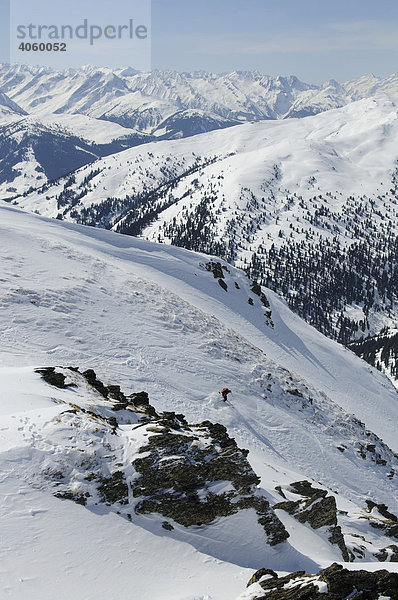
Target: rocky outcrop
256	289
316	508
182	463
219	271
333	583
381	518
190	474
52	377
216	268
389	554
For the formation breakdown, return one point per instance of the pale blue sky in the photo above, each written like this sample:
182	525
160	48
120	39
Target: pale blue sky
313	39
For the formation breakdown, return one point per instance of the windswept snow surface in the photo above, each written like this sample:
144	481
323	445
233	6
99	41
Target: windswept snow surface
152	317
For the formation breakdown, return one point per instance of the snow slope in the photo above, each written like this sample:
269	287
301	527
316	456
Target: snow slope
8	107
314	189
36	150
321	154
156	318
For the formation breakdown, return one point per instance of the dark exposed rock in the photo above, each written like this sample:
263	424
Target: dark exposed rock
256	288
390	530
260	574
139	398
114	489
120	406
216	268
178	467
295	392
172	420
91	378
141	401
52	377
219	434
389	524
223	284
279	489
265	301
341	584
115	394
188	509
316	508
383	510
167	525
78	498
390	553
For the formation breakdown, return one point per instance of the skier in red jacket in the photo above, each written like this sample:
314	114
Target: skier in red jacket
224	393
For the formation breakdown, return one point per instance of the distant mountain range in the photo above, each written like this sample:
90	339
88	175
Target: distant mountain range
74	105
144	101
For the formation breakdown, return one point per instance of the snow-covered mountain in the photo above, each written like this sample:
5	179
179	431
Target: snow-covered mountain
8	108
307	206
34	151
102	93
370	85
144	100
165	105
109	476
186	123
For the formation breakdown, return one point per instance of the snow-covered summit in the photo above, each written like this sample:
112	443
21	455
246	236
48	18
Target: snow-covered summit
117	94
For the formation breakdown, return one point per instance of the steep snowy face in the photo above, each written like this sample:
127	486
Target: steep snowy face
307	206
7	106
34	151
106	453
215	320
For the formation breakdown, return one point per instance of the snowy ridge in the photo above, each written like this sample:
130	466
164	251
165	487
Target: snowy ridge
144	100
8	107
37	150
310	189
180	326
102	93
